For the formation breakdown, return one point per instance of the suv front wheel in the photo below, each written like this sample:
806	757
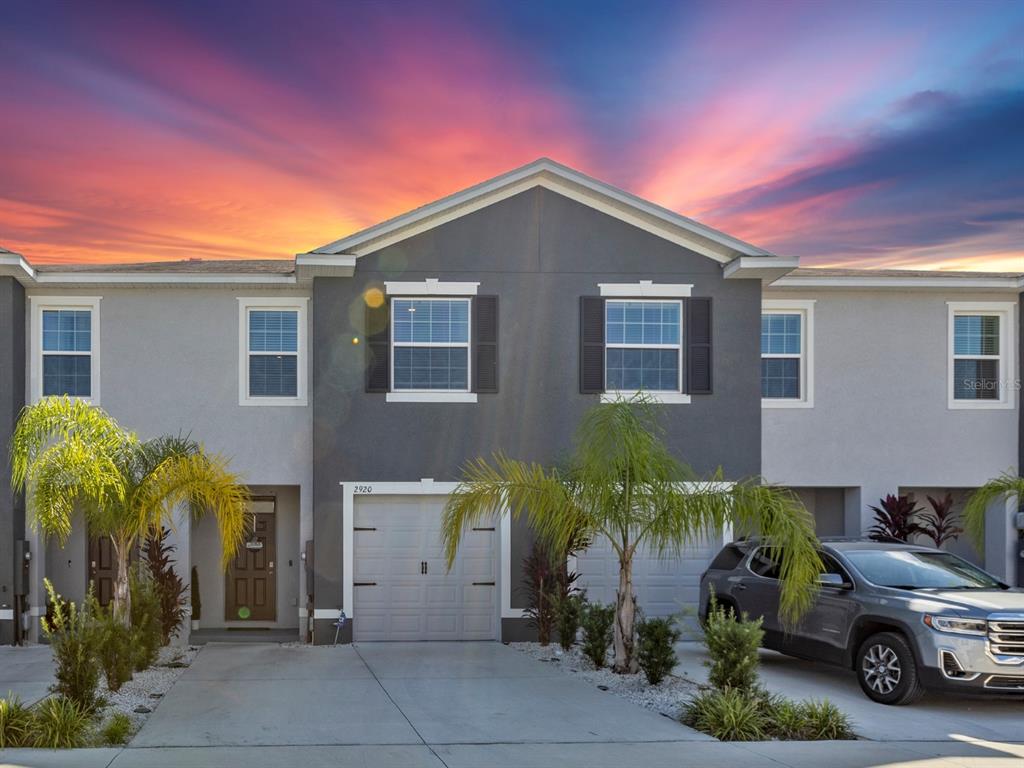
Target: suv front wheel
887	671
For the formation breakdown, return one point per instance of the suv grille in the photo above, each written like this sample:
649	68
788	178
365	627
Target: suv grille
1005	682
1006	637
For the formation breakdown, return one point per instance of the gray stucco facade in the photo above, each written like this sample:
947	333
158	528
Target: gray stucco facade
539	252
12	397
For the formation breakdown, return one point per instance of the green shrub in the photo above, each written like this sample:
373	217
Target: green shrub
656	651
822	720
113	646
728	714
732	646
73	638
117	730
15	723
169	586
60	723
597	622
147	635
568	614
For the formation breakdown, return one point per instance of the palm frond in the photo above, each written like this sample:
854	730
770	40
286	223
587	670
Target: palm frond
1006	485
203	483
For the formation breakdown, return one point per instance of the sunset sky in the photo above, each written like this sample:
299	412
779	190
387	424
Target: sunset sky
859	134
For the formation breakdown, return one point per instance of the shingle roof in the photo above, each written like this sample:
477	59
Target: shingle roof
191	266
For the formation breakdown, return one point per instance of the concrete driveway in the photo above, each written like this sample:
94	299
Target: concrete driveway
26	671
942	717
398	694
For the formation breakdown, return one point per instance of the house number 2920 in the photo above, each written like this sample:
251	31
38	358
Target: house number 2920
364	489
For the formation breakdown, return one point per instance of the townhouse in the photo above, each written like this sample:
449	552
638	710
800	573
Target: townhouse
350	385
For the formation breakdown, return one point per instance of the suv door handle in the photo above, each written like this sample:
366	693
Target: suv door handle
741	586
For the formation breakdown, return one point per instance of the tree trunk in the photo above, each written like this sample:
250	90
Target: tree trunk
625	613
122	592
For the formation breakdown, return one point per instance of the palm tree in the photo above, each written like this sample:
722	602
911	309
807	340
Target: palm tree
622	483
1002	487
74	456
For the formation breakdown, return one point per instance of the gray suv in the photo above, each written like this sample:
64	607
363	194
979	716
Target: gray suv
906	618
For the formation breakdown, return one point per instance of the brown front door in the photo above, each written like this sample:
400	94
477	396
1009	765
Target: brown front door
251	593
102	568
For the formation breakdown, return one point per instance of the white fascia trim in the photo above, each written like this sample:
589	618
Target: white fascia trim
546	173
36	306
430	287
430	397
806	308
772	268
14	264
646	288
664	398
297	303
324	260
176	278
984	283
1007	344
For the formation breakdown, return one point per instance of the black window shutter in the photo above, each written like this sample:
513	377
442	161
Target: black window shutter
485	344
591	345
698	346
378	353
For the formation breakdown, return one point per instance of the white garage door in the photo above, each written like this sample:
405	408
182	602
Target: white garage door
663	585
402	590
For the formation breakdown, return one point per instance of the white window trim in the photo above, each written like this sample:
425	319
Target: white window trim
666	397
430	287
645	289
466	395
1005	311
37	304
275	303
804	308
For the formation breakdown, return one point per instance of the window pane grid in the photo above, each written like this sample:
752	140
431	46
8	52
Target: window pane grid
66	352
273	369
976	357
642	346
782	355
430	345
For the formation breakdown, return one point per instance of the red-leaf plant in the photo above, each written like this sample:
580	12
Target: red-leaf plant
942	523
894	519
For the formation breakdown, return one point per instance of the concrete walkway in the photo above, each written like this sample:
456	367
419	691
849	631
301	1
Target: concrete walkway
936	717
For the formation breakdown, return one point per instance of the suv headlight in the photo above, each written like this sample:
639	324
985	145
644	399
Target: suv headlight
956	625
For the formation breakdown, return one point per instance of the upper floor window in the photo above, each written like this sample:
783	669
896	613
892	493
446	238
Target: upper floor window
785	353
65	359
272	365
643	340
431	341
980	351
430	345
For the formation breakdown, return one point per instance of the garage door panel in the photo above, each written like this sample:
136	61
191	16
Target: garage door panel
665	584
410	604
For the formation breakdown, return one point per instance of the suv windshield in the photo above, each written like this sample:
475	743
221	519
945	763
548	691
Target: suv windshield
905	569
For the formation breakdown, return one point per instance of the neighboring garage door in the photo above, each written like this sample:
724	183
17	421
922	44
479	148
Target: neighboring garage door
663	585
402	590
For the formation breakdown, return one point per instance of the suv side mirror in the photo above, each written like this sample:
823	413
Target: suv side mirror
833	580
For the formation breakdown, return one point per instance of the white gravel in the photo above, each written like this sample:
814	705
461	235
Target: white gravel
145	689
667	697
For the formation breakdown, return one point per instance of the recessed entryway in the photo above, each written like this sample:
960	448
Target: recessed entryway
401	586
250	585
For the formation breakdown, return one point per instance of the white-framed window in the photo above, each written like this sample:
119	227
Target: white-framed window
65	332
980	352
272	351
787	349
430	345
644	349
